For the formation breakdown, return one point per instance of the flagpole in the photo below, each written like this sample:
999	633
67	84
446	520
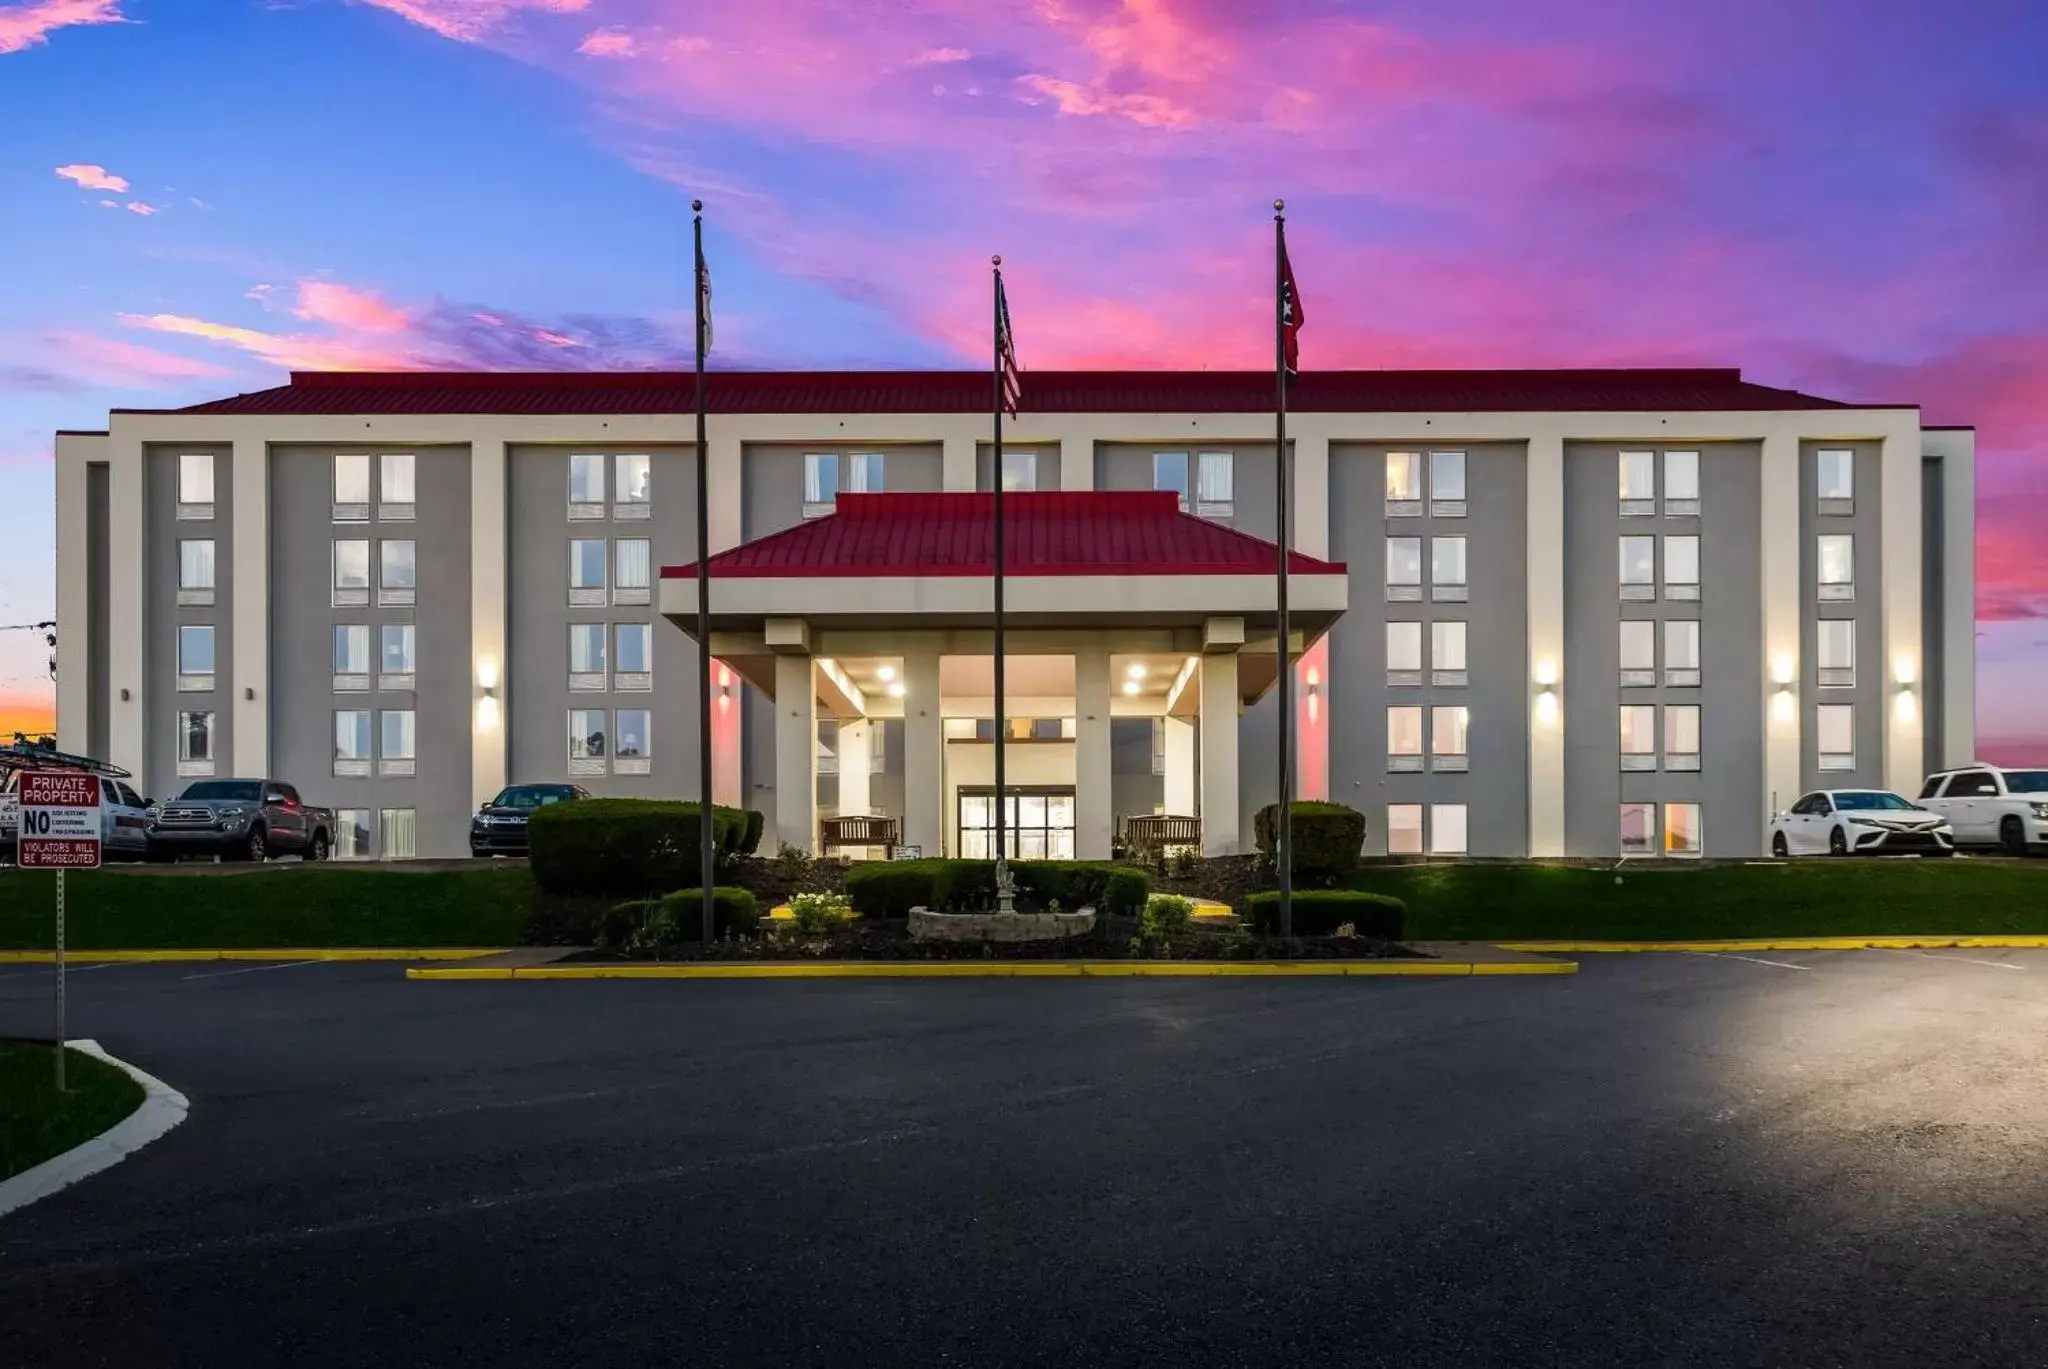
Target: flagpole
1003	889
1283	818
706	840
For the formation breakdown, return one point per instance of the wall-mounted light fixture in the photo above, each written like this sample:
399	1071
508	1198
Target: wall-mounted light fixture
1315	693
124	695
487	672
1546	692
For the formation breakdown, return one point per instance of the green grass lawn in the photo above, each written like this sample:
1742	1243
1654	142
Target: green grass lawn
37	1122
283	906
1678	902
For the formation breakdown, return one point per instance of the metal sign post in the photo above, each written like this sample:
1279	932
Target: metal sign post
59	1053
60	830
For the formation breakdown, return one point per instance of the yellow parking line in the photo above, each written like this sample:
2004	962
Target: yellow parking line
1013	969
174	954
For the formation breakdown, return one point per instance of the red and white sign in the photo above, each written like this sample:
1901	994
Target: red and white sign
60	820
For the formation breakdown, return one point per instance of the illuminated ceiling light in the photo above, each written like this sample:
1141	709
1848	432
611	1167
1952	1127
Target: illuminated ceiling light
1131	686
1137	670
897	691
885	673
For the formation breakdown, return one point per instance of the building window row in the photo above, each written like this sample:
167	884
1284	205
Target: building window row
1446	484
1835	480
397	657
631	564
1639	652
353	835
1206	482
632	487
397	733
1836	639
1447	570
1681	737
592	668
195	743
1639	568
195	658
397	572
1449	735
827	475
621	741
394	481
1446	663
1835	567
195	486
1639	484
1442	834
195	572
1834	731
1681	829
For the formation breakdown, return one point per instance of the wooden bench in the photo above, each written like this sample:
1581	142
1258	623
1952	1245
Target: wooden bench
1149	835
836	834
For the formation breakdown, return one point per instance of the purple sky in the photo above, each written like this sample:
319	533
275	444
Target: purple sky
1843	195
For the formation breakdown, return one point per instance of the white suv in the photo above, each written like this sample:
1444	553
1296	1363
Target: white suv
1990	806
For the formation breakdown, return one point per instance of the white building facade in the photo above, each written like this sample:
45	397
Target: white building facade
1567	613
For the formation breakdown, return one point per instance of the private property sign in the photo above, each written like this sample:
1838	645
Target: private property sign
60	820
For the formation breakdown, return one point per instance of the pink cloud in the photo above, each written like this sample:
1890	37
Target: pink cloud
613	42
471	21
139	207
111	361
285	350
940	56
1152	111
323	301
27	25
92	177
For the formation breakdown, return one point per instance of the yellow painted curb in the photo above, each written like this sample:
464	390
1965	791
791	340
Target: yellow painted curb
1206	908
1014	969
1793	943
278	953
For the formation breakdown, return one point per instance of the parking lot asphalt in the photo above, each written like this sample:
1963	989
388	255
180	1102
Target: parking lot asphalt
1790	1158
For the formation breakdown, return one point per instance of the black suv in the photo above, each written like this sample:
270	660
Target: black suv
499	827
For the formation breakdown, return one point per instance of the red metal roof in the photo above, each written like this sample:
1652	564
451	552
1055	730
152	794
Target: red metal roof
947	392
1065	532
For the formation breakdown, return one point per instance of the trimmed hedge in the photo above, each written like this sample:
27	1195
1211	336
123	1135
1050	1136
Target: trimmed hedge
1319	912
616	847
1327	837
750	840
677	918
892	888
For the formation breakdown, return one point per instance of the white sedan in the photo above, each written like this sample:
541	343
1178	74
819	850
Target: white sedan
1843	822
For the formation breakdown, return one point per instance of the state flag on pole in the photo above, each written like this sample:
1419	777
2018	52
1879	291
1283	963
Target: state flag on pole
1291	316
704	300
1006	347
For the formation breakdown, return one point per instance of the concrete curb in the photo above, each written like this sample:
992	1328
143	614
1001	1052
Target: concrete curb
1791	943
1013	969
337	953
162	1108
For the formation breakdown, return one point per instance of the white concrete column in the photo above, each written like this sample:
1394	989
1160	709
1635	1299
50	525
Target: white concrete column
1905	673
1957	448
957	465
1544	502
1219	754
796	753
1077	462
1180	767
127	552
490	679
1094	804
1778	541
924	754
857	742
725	481
250	677
75	667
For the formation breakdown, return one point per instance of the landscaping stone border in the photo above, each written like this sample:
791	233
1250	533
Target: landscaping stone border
926	925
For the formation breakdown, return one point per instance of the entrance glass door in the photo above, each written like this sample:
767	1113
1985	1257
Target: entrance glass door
1038	824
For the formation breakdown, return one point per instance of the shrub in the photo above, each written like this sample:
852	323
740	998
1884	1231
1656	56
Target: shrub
620	846
1170	912
1112	890
1319	912
1327	838
621	924
679	917
817	914
750	839
893	888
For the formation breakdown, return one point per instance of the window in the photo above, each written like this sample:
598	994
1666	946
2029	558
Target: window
586	741
195	743
195	487
1215	484
351	574
1681	484
1682	653
1682	829
351	656
1404	829
829	474
1447	734
1836	563
634	754
632	485
351	487
1404	495
1170	472
1447	654
195	574
586	485
1404	653
1837	642
1447	484
635	663
1638	484
397	573
1638	829
395	656
397	735
195	658
1835	480
1682	568
1638	653
1681	736
1835	729
1447	829
1404	569
351	741
1158	746
1404	738
1447	569
1638	569
1020	470
1973	784
586	656
395	490
401	832
1036	826
634	580
1638	737
351	834
586	572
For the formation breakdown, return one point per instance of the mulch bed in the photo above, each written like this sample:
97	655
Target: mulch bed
878	939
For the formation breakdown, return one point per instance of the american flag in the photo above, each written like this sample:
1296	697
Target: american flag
1006	352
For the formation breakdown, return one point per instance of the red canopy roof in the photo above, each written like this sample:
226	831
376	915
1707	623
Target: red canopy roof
1068	532
961	392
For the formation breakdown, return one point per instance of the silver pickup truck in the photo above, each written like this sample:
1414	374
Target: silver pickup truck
240	820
